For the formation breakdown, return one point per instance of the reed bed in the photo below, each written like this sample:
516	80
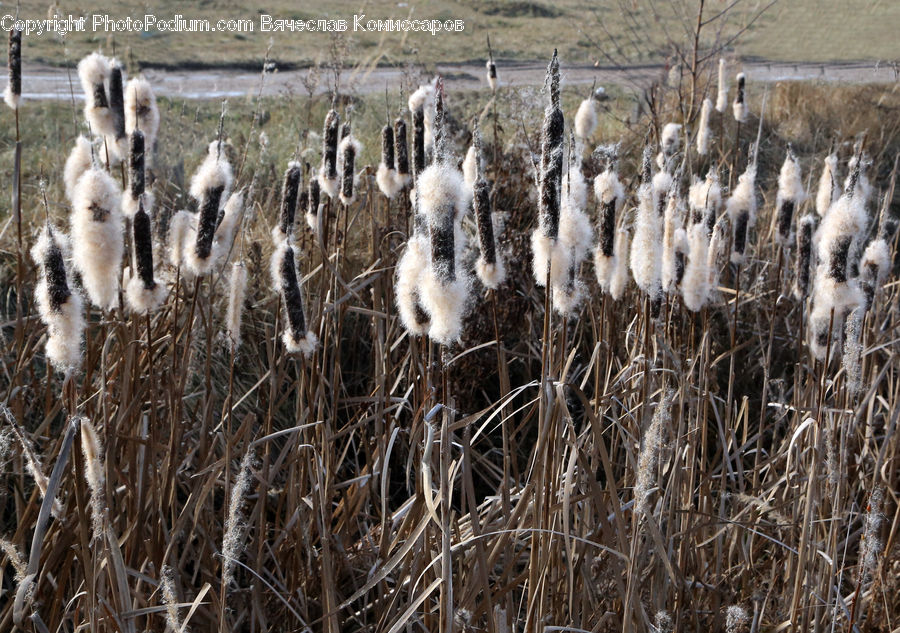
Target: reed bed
339	395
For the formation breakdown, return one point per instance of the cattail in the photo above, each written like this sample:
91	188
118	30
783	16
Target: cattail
328	174
705	201
410	272
489	267
117	105
652	444
13	93
805	230
586	118
169	598
670	140
740	109
401	153
444	287
98	231
575	236
544	239
141	112
296	337
851	359
646	261
618	280
209	187
829	186
789	198
349	149
874	267
736	619
236	289
61	309
94	71
136	191
235	524
421	104
491	74
180	227
704	131
695	283
290	190
231	218
718	243
143	292
871	544
857	180
742	212
79	161
673	267
386	176
15	558
470	168
722	95
312	204
92	449
611	197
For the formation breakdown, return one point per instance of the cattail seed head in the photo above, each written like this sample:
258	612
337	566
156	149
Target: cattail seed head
92	449
740	109
94	71
705	201
741	209
136	175
98	230
550	180
489	268
652	444
423	101
695	283
401	152
851	358
117	99
871	544
210	187
722	94
235	524
646	249
141	112
13	93
704	129
491	74
790	196
618	280
586	118
180	227
236	290
575	237
79	161
410	272
142	292
313	199
672	221
470	167
328	174
60	309
296	337
805	230
874	267
670	139
386	176
829	186
349	149
290	191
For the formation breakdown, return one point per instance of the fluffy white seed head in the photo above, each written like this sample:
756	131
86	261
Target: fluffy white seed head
722	94
410	269
546	250
237	288
877	257
213	172
705	200
98	231
92	449
94	71
141	112
646	248
586	118
740	109
619	278
704	130
672	221
470	168
695	285
445	304
833	300
851	359
652	444
829	186
491	275
607	188
388	182
348	153
235	524
741	207
79	161
790	196
139	298
718	244
181	230
670	139
423	97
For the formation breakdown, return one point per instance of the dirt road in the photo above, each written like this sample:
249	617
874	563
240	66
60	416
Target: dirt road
46	82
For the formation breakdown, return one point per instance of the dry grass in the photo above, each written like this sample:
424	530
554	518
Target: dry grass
508	507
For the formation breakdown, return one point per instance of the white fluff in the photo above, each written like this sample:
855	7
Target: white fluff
142	113
829	186
546	250
410	269
401	180
670	139
343	147
705	197
704	131
79	161
586	118
717	245
93	71
214	171
98	233
423	97
646	249
661	184
140	299
231	219
671	225
492	80
619	278
695	285
491	275
181	228
743	200
328	186
847	217
722	95
830	295
237	287
305	345
387	181
877	256
607	187
12	100
441	186
65	327
576	236
790	188
740	109
130	205
470	169
863	187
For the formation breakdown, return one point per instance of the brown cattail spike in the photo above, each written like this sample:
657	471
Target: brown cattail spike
804	254
209	217
550	181
387	146
289	193
117	100
55	271
401	151
143	247
136	173
291	295
418	118
329	145
14	89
